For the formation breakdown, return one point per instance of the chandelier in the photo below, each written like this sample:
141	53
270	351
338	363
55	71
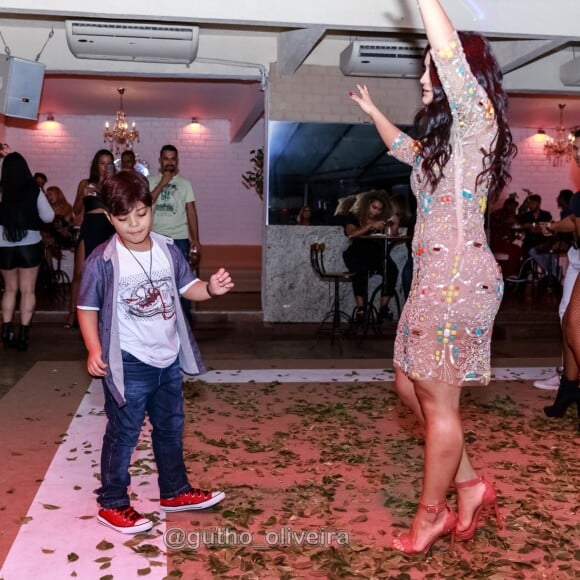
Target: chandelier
559	150
120	137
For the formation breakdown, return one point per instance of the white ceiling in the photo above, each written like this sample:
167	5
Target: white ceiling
149	97
231	99
531	44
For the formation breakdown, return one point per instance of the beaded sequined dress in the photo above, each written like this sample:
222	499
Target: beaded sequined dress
445	328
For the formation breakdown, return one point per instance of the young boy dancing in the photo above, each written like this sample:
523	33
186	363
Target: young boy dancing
138	340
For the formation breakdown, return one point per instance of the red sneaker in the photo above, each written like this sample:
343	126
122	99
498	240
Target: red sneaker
194	499
124	519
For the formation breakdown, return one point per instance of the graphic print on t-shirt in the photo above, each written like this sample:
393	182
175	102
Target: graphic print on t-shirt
165	204
144	301
147	303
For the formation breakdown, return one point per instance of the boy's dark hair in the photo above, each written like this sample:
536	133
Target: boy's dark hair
128	153
535	197
168	148
124	190
39	174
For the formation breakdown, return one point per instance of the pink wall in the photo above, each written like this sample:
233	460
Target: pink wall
533	171
228	213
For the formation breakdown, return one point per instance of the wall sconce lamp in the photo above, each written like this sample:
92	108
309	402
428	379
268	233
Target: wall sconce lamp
541	131
195	122
50	117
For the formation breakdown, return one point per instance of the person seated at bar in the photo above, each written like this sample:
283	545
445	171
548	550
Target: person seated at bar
59	234
530	223
405	215
546	252
365	256
342	211
503	236
304	217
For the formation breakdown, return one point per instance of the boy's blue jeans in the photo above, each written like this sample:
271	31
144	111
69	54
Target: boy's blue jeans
157	392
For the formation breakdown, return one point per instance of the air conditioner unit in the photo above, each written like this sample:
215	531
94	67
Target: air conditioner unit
382	58
570	73
132	41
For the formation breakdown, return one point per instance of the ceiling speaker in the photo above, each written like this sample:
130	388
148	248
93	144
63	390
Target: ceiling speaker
20	87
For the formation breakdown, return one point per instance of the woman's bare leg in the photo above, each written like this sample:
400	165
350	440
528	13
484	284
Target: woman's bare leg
465	472
27	283
76	281
439	403
571	334
10	278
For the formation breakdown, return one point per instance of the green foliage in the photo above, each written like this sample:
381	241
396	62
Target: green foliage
254	178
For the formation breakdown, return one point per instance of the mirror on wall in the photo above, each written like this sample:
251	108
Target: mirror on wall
315	164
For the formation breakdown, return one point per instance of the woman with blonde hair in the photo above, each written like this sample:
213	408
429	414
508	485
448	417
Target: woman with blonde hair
364	256
460	158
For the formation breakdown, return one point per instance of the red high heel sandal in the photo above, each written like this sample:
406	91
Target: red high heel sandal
488	500
404	543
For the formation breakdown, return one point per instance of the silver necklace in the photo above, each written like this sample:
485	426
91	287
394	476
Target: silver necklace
152	292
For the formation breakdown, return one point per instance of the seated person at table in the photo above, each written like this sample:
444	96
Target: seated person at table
503	236
404	216
367	256
59	234
63	220
530	222
304	216
342	211
545	253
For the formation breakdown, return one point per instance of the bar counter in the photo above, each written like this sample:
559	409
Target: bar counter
291	290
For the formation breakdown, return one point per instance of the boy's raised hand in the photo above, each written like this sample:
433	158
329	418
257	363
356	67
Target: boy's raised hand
220	283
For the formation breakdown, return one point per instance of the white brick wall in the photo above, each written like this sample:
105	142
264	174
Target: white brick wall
533	171
228	212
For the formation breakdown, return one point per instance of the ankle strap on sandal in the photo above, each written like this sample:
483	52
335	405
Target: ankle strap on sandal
436	508
468	483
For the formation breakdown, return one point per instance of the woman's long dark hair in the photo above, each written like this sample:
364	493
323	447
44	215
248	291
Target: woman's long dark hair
433	122
94	171
19	193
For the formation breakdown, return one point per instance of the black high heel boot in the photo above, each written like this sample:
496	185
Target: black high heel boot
21	342
568	394
7	334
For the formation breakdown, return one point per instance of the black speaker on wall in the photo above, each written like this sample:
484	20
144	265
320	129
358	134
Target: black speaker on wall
20	87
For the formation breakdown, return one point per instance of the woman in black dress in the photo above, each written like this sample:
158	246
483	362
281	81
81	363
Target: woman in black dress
90	213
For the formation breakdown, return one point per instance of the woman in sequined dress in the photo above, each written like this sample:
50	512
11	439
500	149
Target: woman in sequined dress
460	160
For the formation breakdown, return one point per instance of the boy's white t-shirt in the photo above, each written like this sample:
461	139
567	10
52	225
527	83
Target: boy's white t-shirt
146	314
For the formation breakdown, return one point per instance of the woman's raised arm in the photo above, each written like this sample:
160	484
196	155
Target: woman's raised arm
387	130
438	27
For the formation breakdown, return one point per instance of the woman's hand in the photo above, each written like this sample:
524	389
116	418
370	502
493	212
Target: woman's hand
376	225
90	189
363	100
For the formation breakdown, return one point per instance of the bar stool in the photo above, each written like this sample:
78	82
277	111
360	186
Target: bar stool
336	315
